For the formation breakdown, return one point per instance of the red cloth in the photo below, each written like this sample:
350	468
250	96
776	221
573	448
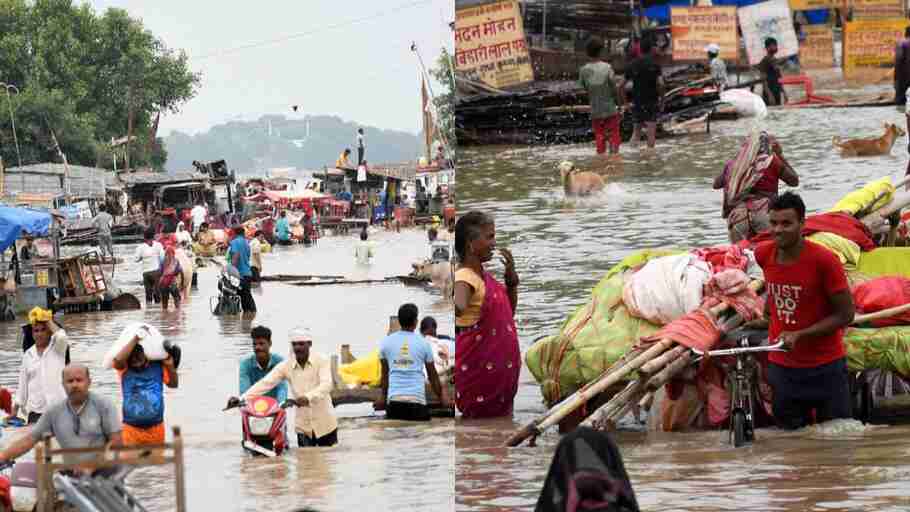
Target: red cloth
603	128
723	257
799	295
767	185
883	293
695	330
839	223
6	401
731	287
6	496
488	360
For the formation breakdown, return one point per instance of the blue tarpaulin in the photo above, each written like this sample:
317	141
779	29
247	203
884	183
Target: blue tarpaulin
661	13
16	221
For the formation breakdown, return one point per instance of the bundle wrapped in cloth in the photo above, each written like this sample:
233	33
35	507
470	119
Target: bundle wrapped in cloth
153	343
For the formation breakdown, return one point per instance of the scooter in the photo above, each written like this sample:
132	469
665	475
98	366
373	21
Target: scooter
264	423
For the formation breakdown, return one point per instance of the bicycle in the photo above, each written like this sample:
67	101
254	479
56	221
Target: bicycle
742	377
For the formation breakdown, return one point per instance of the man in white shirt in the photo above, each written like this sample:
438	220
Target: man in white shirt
256	255
199	214
363	252
40	385
150	253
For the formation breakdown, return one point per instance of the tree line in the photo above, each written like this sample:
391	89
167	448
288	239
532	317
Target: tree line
83	79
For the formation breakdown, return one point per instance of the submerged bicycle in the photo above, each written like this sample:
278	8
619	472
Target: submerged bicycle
742	381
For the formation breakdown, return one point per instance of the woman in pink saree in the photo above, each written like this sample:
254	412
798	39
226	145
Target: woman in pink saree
487	356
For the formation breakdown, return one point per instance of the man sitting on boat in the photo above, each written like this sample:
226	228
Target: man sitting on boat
404	356
750	182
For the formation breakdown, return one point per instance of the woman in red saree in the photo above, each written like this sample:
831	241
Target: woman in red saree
487	356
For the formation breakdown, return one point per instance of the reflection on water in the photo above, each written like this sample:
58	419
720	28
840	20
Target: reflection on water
562	249
388	464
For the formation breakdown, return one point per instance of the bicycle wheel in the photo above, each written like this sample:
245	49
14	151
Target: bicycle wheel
739	428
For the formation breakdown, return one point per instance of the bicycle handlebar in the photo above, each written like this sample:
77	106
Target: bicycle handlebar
777	347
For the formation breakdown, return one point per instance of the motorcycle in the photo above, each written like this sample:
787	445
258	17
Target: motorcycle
264	422
228	300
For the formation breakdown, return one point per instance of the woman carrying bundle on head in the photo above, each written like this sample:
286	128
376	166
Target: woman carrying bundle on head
487	357
750	182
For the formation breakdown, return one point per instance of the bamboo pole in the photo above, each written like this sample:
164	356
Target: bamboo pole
575	401
530	426
878	315
664	376
610	410
661	361
646	401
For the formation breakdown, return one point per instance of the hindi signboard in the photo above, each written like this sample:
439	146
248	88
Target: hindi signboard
806	5
694	28
490	44
817	50
871	43
876	9
768	19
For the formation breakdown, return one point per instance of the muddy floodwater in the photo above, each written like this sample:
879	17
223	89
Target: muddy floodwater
563	249
378	463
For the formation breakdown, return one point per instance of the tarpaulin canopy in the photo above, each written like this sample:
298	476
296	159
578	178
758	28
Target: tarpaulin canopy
16	221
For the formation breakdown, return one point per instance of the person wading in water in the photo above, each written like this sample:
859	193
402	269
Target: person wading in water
750	182
809	304
487	359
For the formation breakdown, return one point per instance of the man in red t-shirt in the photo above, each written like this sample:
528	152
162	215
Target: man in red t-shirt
809	304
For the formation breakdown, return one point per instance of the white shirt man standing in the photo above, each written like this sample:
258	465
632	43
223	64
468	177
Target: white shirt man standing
39	375
199	214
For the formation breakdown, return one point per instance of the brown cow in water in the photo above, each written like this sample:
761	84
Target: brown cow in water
579	183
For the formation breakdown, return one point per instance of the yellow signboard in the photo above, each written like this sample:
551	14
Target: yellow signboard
694	28
817	50
490	44
41	278
871	43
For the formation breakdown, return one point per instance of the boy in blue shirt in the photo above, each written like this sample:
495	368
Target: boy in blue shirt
405	355
261	363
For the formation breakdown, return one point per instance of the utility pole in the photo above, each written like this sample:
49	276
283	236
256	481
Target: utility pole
12	120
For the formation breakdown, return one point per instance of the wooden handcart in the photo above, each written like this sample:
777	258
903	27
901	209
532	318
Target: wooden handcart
106	458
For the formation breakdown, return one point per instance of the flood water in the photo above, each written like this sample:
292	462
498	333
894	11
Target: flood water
387	464
562	250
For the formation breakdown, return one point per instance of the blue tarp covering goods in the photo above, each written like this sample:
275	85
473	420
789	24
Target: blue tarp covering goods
14	222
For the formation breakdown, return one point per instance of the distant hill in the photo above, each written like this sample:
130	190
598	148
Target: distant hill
247	147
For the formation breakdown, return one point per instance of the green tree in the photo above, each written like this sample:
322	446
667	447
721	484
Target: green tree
90	78
445	99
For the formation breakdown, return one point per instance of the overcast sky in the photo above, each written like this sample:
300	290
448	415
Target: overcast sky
349	58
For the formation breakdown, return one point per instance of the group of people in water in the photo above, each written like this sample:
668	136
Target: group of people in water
55	397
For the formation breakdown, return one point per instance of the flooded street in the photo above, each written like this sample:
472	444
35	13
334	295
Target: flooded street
563	249
374	457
